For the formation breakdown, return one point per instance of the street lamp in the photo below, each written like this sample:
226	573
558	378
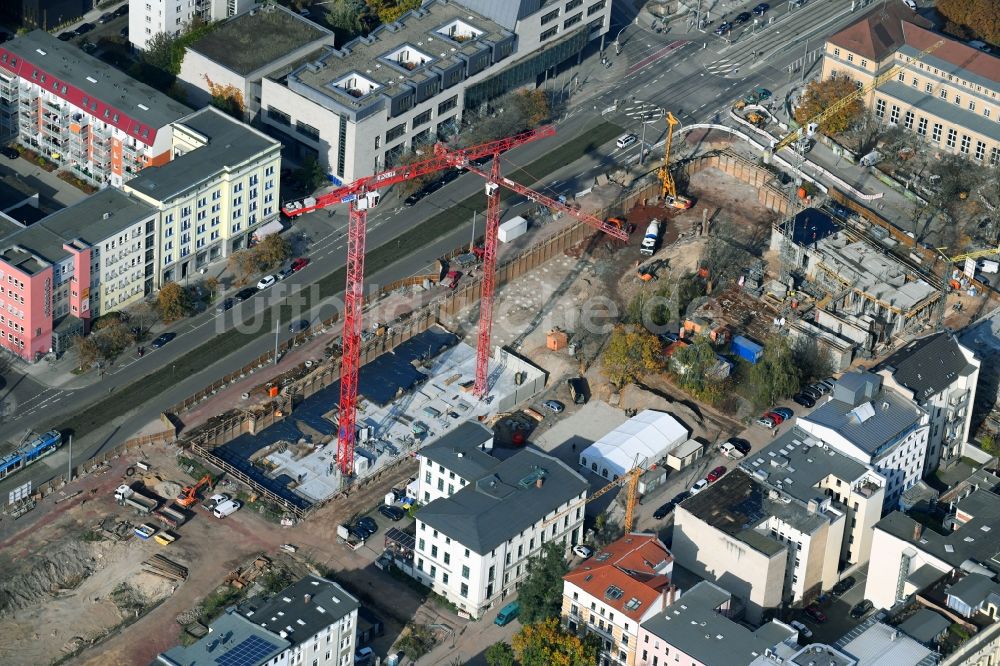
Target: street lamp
618	46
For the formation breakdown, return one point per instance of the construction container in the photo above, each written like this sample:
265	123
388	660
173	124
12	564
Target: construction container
512	228
747	349
556	339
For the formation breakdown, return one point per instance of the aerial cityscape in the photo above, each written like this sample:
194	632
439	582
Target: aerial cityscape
500	332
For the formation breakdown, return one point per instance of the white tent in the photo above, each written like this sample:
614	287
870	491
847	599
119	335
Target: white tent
642	440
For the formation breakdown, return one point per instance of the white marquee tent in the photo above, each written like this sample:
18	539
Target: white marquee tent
642	440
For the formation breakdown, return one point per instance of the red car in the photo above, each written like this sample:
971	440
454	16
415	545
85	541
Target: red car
299	264
716	474
774	416
816	614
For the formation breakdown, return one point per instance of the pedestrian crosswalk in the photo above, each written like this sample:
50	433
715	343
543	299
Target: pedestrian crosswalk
724	66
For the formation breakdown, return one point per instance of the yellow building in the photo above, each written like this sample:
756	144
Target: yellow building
221	184
950	98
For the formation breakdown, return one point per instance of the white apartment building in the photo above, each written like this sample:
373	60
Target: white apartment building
473	547
876	426
221	184
312	622
148	18
80	112
939	374
453	461
907	555
765	547
610	594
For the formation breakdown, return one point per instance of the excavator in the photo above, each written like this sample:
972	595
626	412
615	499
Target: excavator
189	495
669	190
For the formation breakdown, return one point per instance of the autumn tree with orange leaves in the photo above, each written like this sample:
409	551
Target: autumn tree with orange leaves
546	644
227	97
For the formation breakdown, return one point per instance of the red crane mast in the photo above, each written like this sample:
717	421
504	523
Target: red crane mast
361	195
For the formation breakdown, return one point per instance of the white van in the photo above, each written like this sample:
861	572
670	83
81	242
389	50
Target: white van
227	508
911	4
626	140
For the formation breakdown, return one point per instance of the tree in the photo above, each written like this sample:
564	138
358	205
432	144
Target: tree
417	640
350	17
775	375
631	353
212	284
142	316
812	361
227	97
692	362
244	264
173	302
546	644
533	106
500	654
159	51
312	174
540	594
972	18
819	95
87	351
390	10
989	444
115	339
272	251
863	134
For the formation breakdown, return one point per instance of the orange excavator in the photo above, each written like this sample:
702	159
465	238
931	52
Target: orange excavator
189	495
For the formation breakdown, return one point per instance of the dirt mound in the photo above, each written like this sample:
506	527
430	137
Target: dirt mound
32	580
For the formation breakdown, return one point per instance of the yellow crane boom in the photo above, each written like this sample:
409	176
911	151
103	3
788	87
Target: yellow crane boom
668	191
890	73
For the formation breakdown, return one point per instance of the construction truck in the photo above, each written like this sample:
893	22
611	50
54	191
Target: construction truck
171	516
126	495
668	191
652	235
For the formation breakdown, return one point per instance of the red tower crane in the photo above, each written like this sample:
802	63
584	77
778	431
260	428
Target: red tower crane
361	195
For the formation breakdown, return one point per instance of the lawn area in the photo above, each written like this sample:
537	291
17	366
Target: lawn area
376	259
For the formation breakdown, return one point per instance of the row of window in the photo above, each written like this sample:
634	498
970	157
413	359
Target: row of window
964	143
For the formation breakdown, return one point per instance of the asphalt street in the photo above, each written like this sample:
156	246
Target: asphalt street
677	72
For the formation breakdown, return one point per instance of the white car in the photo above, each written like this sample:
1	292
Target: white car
227	508
216	500
266	281
699	486
801	628
583	551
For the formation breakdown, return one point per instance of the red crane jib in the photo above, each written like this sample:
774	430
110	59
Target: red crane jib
444	158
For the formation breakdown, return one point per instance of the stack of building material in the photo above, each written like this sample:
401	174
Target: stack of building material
158	565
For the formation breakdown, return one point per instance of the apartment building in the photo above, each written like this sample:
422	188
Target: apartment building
941	375
221	184
473	547
798	466
311	622
55	275
610	594
880	428
908	554
764	547
453	461
702	629
148	18
949	98
80	112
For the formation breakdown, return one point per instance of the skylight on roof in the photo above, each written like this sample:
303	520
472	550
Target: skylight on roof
632	604
614	592
408	57
459	31
948	548
356	85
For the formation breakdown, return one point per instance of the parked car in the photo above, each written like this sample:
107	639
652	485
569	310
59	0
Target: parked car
105	17
742	17
88	47
760	9
716	474
162	340
784	412
813	393
741	445
414	198
215	500
554	406
85	28
821	387
266	281
244	294
723	28
774	416
66	36
803	630
368	525
727	449
358	532
121	11
664	510
393	513
861	609
284	272
10	153
363	656
815	614
298	264
843	586
828	382
698	486
227	508
298	326
225	304
507	614
681	496
804	400
767	422
583	551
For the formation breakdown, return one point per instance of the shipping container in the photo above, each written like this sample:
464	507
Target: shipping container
747	349
512	228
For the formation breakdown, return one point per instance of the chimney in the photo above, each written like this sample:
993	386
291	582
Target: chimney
307	598
918	530
539	482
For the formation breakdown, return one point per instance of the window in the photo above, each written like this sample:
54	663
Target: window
836	53
573	20
986	112
548	33
279	116
444	577
943	94
447	558
951	138
936	133
928	87
464	591
995	156
908	120
465	571
972	105
894	115
307	130
864	63
550	17
421	118
596	7
958	100
922	127
966	142
573	4
850	57
880	108
434	551
914	82
396	132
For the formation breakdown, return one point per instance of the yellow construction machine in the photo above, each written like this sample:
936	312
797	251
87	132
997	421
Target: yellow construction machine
669	191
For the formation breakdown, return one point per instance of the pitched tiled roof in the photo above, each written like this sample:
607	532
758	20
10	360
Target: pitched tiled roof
628	575
952	52
880	32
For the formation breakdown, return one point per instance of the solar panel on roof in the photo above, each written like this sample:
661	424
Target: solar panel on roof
249	652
